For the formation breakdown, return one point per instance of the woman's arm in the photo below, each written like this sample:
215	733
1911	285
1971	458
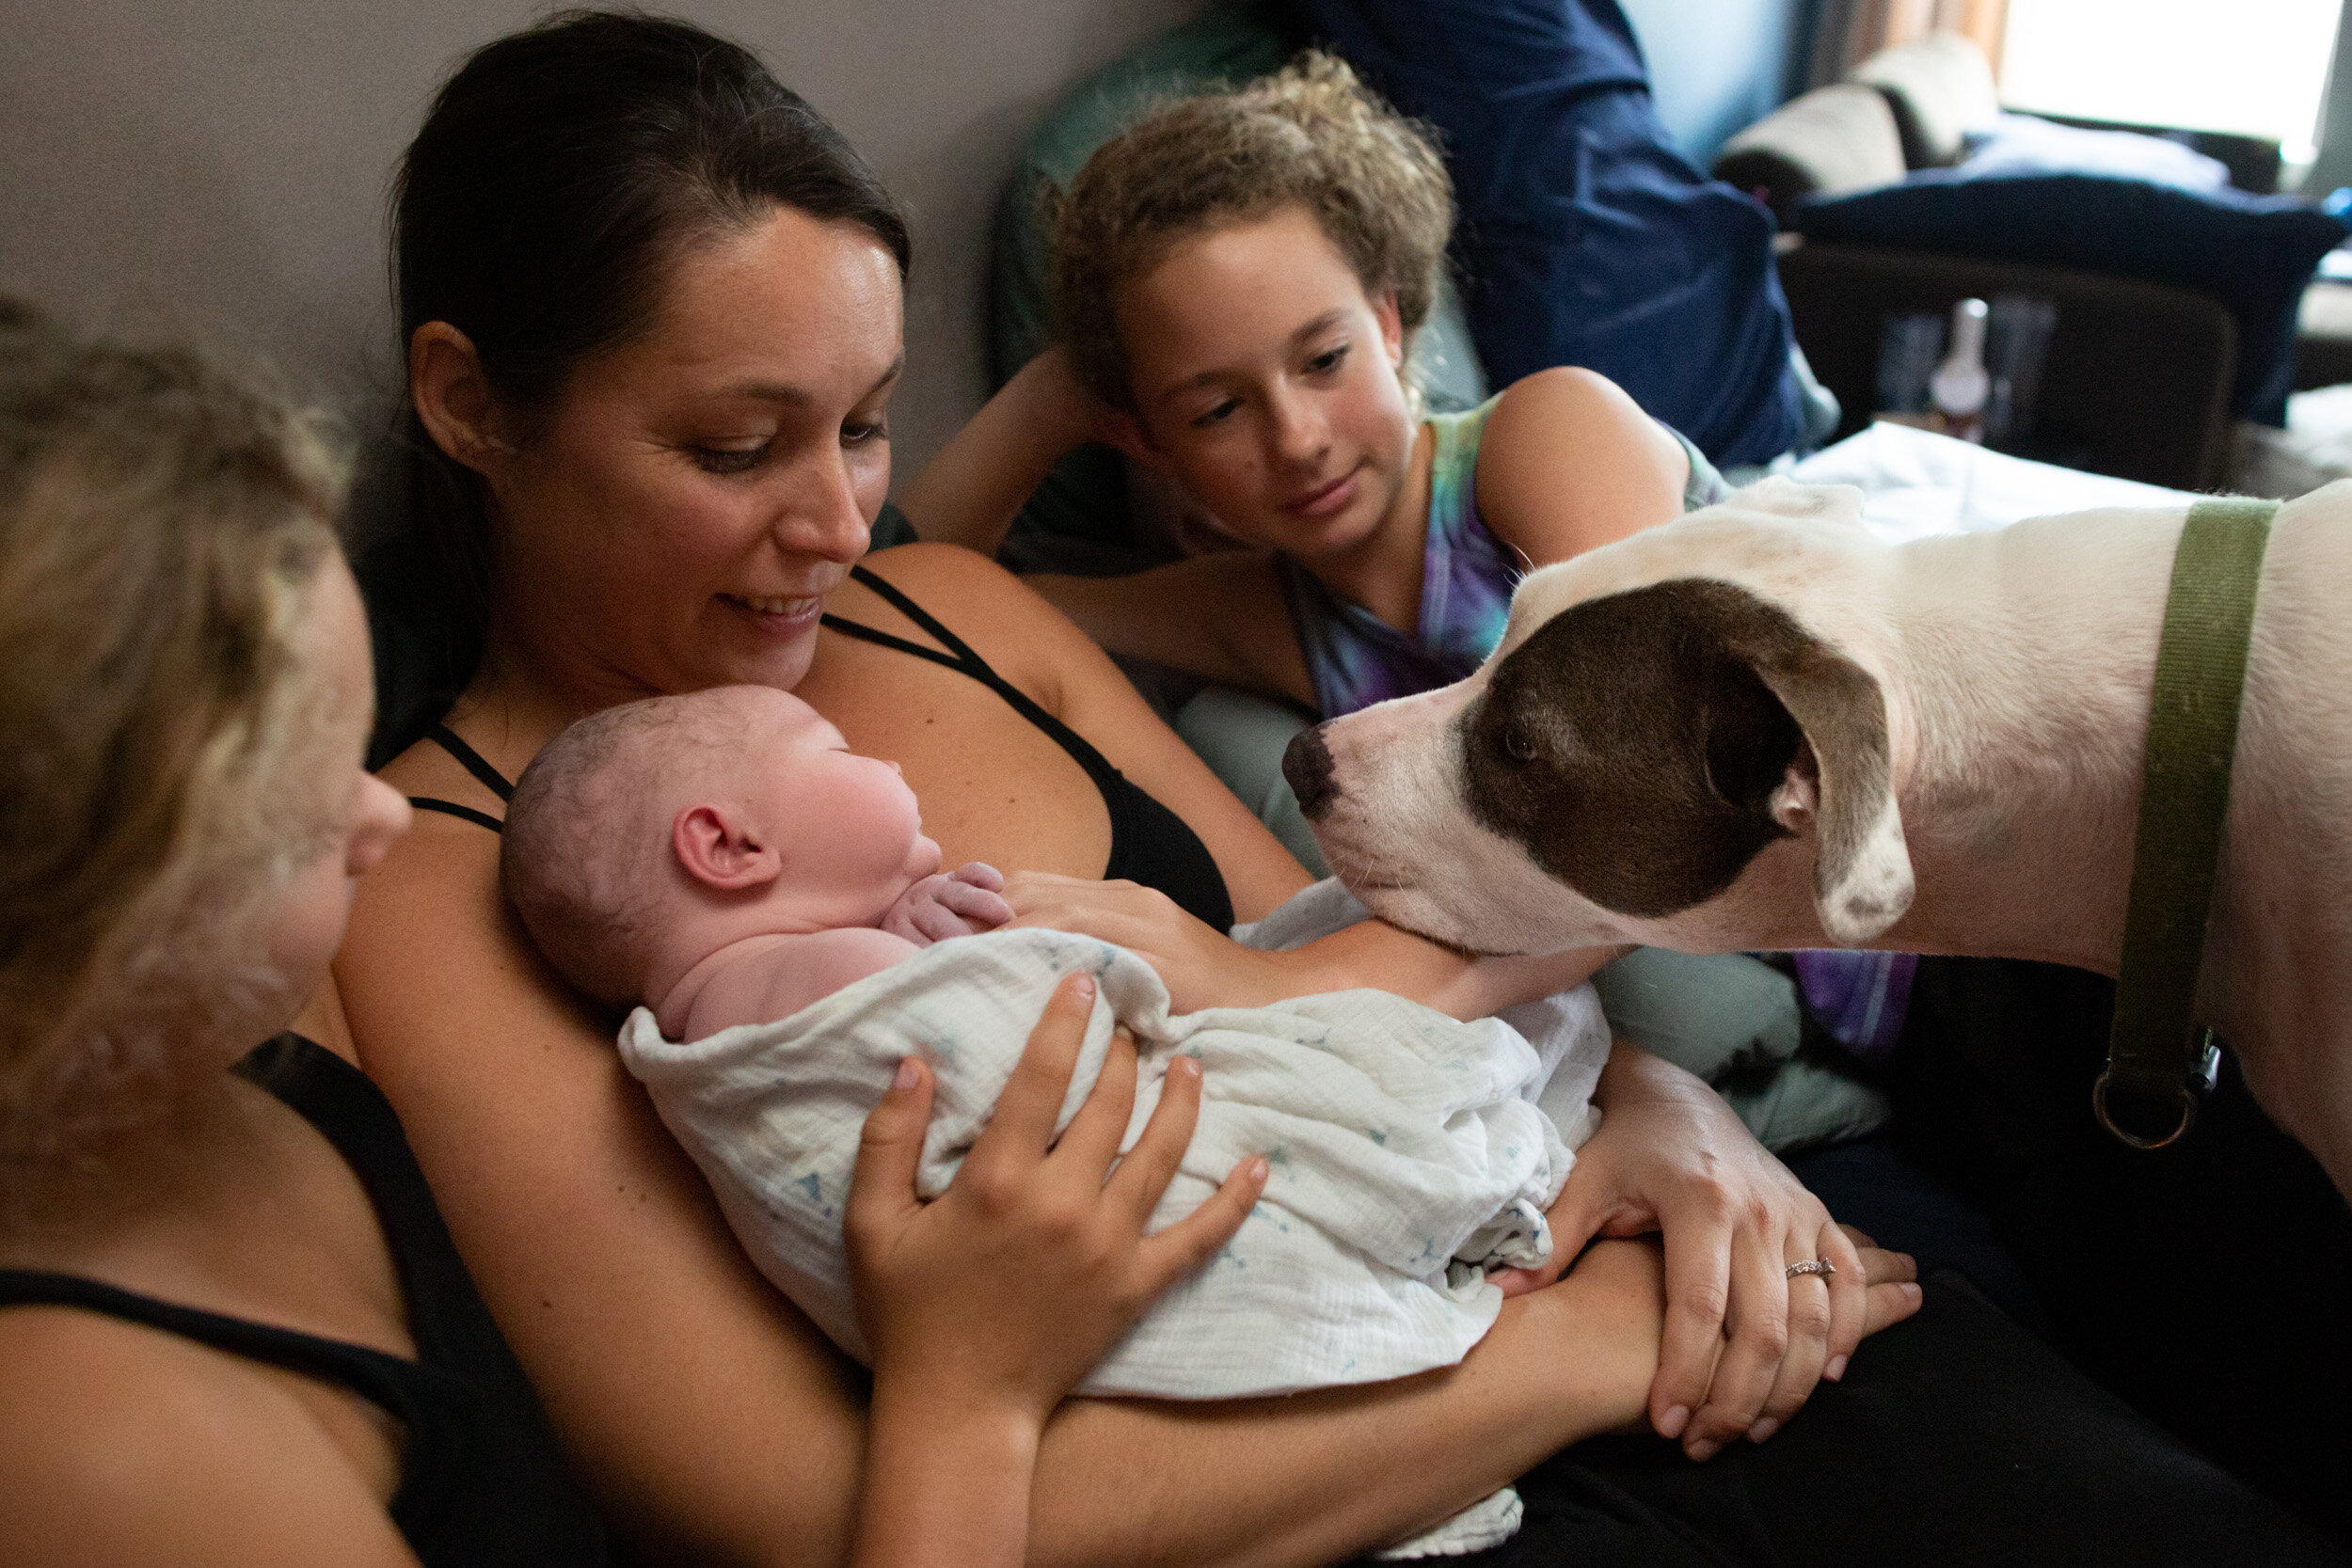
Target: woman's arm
711	1418
1567	463
1221	617
1726	1207
1059	666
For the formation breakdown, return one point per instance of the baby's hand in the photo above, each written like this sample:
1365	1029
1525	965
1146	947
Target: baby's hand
960	903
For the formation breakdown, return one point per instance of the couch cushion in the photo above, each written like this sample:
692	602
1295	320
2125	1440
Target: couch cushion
1941	90
2252	253
1836	138
2028	144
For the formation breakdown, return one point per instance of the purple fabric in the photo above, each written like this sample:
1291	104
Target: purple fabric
1860	997
1355	659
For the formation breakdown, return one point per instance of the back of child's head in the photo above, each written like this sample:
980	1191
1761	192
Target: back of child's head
584	853
1311	135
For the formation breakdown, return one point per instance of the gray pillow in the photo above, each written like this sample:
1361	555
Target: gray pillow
1942	93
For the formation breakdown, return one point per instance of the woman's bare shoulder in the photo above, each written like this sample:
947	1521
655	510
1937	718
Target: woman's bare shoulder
125	1445
949	581
1006	621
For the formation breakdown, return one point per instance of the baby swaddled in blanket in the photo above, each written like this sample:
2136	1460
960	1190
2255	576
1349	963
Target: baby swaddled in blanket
768	901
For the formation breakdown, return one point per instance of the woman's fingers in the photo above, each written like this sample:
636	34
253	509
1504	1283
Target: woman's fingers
1148	1169
882	1184
1757	1319
1023	1122
1847	1308
1698	1286
1092	1140
1192	1241
1810	1319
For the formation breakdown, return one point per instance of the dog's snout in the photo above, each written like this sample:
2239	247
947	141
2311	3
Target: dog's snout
1306	764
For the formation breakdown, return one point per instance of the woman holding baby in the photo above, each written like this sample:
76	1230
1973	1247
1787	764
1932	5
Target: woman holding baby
652	311
233	1326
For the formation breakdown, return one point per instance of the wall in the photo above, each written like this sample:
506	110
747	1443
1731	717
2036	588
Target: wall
1716	65
224	165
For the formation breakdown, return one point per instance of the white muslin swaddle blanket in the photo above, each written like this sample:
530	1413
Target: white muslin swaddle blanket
1405	1149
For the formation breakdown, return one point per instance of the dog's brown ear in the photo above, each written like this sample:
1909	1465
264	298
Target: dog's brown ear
1841	778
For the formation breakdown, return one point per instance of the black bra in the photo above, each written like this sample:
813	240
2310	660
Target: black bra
1149	844
482	1481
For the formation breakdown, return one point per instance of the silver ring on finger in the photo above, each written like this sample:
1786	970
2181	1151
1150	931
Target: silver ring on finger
1821	1266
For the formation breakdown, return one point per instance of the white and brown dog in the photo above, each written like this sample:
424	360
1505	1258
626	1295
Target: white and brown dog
1758	727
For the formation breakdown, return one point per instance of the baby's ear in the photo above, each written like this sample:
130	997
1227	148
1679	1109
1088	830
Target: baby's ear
719	849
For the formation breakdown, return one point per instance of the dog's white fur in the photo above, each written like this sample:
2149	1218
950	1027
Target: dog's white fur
2017	667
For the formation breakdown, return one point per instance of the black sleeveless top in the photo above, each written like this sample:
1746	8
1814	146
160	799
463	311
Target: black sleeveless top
482	1481
1149	844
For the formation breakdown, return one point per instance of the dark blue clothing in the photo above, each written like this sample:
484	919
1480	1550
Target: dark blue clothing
1586	238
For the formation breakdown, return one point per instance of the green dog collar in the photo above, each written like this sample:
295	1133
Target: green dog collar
2158	1060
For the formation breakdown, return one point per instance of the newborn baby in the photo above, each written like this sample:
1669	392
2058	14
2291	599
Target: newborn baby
770	902
723	857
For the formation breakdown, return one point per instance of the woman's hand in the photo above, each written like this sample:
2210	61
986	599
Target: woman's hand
960	903
1201	965
1744	1343
983	1309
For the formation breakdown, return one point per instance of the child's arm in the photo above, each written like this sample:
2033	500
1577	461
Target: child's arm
1221	617
969	492
985	1307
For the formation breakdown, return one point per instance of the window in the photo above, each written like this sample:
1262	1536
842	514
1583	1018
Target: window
2257	67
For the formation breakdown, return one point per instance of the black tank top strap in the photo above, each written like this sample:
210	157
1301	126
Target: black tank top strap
387	1381
482	1480
450	808
1098	766
896	599
472	762
1149	844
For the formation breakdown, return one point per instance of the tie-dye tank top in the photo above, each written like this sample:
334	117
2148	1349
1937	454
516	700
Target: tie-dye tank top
1355	659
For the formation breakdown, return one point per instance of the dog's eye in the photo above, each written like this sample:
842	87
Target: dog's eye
1517	744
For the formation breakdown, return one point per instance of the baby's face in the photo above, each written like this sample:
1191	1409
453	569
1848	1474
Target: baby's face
848	827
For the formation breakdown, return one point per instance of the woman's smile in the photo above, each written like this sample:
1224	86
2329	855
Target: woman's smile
782	614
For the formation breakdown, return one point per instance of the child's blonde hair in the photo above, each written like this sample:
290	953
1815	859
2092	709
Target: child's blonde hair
162	523
1312	136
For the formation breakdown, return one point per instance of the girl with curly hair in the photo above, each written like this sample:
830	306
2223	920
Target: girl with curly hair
1237	278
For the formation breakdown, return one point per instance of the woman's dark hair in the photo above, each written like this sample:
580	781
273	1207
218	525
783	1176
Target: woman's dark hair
557	175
